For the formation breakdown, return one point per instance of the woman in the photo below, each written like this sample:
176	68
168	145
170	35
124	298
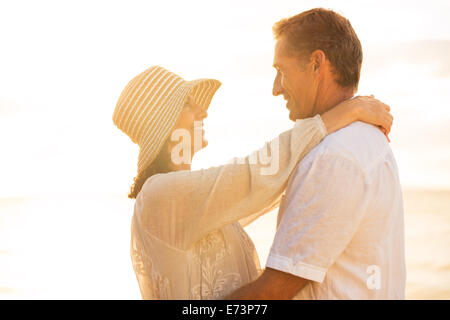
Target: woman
187	236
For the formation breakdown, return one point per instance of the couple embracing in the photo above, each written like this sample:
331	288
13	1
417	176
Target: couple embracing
340	231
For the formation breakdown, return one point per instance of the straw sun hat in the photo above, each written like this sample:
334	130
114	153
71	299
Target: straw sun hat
150	105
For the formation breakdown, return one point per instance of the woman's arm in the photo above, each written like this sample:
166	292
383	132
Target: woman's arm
360	108
183	206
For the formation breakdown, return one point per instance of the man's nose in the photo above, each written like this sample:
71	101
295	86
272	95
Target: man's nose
277	90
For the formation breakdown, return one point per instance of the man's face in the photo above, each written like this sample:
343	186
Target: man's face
294	81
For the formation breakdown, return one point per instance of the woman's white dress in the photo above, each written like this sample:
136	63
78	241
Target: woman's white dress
187	236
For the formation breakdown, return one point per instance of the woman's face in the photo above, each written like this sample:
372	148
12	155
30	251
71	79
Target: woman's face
191	120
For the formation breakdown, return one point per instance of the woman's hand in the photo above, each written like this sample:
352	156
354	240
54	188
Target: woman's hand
375	112
360	108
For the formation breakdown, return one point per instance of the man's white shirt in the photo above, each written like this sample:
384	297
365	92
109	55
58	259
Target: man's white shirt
340	223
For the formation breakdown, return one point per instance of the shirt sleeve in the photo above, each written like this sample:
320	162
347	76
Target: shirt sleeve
182	207
324	205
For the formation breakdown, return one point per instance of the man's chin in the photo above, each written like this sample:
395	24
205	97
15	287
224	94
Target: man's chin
292	116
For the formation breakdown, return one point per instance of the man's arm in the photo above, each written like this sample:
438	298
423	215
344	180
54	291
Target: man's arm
324	206
272	284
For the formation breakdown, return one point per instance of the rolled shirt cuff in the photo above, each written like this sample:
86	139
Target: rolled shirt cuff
300	269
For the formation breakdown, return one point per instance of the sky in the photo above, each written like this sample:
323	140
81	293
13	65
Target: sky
64	64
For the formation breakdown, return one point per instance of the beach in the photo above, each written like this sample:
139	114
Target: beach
77	247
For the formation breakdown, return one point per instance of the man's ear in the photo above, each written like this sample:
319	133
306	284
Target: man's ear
318	59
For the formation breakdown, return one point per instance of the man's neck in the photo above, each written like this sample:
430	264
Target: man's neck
330	97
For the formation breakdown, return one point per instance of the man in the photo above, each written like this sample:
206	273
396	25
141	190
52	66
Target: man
340	231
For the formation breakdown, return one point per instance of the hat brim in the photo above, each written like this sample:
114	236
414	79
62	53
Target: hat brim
203	90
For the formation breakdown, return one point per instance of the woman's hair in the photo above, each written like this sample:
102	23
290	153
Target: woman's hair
161	164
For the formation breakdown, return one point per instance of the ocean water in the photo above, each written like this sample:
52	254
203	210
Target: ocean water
77	247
